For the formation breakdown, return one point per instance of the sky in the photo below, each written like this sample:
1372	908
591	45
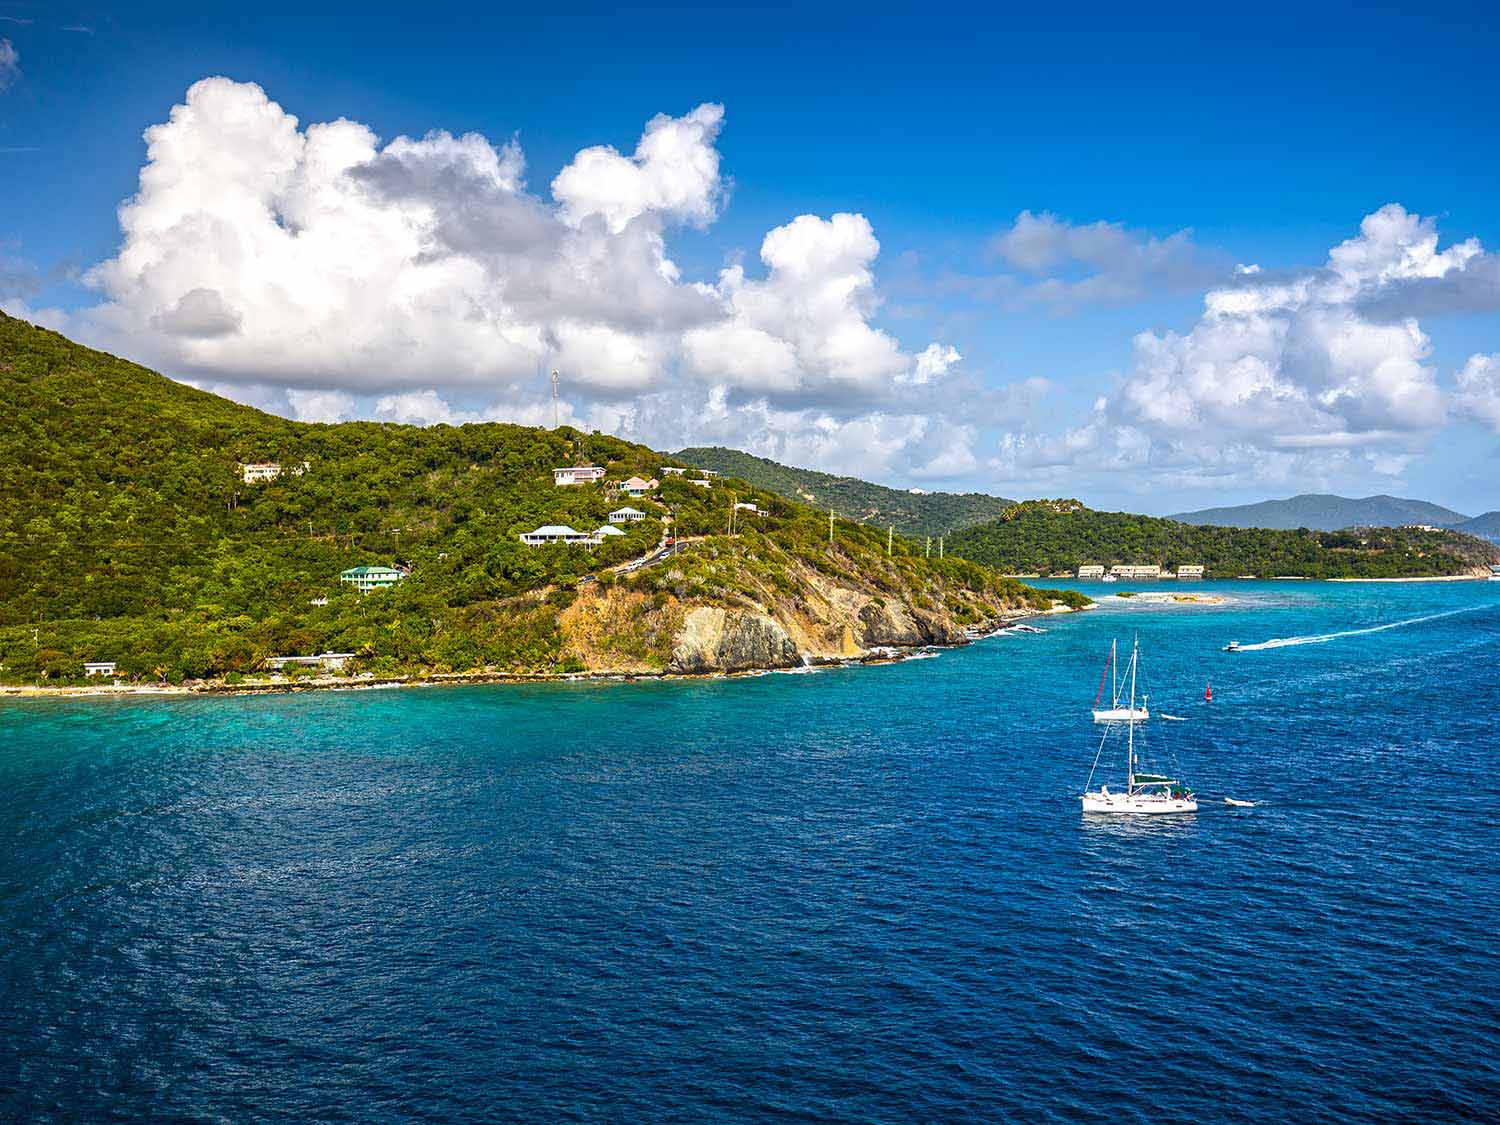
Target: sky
1156	259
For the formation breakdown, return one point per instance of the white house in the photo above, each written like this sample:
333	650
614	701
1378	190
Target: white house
1091	570
671	471
707	472
626	515
742	506
577	474
700	483
328	661
1191	571
556	533
608	529
635	486
1128	570
99	668
257	471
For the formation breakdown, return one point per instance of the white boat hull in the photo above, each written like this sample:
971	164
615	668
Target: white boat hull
1121	715
1139	804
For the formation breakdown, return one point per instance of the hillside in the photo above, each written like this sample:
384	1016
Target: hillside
1319	512
910	513
128	534
1059	536
1486	526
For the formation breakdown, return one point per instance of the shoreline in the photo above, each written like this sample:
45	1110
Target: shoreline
1427	578
885	654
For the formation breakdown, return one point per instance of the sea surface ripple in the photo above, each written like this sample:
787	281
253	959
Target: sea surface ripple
863	894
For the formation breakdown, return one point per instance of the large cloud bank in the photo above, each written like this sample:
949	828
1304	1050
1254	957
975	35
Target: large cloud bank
314	269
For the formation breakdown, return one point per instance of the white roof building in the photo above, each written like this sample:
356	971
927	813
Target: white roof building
1191	570
607	529
577	474
1128	570
99	668
556	533
671	471
1091	570
700	482
626	515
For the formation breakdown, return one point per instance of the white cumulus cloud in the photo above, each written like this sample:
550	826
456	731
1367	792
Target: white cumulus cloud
1282	376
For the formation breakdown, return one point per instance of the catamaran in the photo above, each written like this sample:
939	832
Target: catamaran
1144	792
1114	713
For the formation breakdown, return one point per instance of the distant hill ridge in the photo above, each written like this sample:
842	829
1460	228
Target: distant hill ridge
1058	536
910	513
1323	512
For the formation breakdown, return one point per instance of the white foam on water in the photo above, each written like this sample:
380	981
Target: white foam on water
1324	638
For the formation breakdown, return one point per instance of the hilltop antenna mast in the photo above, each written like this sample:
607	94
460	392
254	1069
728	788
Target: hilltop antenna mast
555	416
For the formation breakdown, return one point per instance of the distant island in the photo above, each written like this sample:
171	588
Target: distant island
913	511
1057	537
153	533
1323	512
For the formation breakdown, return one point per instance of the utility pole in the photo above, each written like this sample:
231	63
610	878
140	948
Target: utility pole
940	546
927	550
890	533
830	525
555	415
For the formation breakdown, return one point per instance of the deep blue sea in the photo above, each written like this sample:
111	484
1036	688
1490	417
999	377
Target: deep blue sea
858	894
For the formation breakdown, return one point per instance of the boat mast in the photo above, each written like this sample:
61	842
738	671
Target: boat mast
1135	653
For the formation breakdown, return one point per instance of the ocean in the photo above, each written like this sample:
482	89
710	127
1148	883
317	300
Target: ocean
855	894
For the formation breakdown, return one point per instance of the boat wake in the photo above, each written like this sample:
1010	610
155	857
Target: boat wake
1324	638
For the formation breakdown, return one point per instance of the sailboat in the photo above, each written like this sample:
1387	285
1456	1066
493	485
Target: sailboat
1144	793
1114	713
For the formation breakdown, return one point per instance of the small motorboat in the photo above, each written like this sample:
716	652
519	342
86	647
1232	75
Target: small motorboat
1232	803
1232	646
1024	628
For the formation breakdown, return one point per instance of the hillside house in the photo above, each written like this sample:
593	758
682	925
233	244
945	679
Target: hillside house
367	578
258	472
1091	570
626	515
700	482
99	668
577	474
635	486
671	471
600	533
743	506
557	533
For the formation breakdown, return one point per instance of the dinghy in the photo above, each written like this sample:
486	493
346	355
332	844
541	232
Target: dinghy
1232	803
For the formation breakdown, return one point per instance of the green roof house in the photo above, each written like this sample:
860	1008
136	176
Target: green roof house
367	578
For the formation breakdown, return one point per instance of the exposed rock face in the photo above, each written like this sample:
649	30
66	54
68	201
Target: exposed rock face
885	623
718	640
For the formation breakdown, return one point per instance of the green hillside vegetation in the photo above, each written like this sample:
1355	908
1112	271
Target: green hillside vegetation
127	533
1056	537
910	513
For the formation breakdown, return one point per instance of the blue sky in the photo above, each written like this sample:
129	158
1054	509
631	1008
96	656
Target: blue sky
1266	135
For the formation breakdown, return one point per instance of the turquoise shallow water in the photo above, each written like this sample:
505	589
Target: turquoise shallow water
859	894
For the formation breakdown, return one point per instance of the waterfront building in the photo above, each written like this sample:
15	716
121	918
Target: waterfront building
1091	570
99	668
1128	570
328	661
1190	570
